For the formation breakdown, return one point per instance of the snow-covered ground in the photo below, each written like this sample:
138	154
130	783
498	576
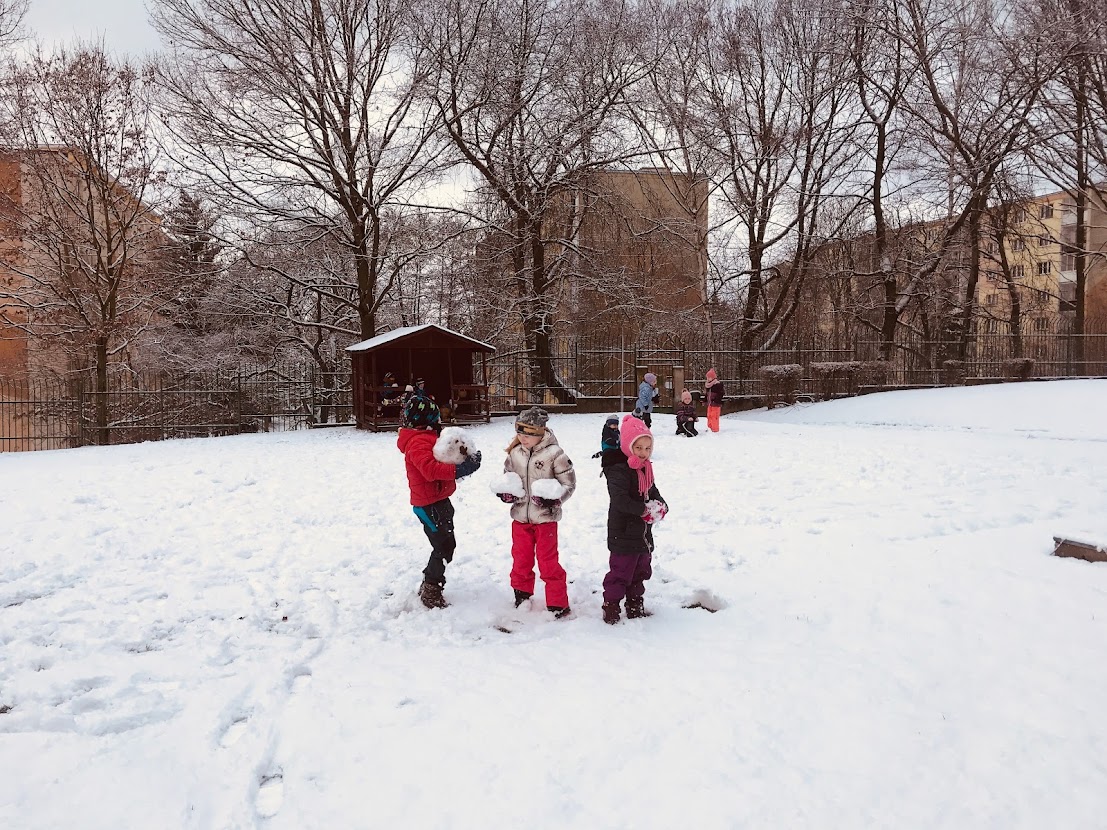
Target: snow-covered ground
223	633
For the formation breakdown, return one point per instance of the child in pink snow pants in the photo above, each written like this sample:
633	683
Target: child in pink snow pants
538	477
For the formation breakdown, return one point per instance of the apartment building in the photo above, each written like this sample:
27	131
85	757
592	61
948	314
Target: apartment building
639	250
79	260
1039	239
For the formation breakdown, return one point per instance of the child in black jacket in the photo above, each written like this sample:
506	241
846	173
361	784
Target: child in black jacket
686	416
635	505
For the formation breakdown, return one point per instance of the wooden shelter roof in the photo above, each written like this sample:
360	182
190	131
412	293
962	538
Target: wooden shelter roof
419	336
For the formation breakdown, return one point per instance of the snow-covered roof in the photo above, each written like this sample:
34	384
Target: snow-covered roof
408	331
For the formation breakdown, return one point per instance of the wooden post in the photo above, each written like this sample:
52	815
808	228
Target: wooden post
1078	550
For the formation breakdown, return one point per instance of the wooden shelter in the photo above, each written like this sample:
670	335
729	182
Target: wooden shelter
453	367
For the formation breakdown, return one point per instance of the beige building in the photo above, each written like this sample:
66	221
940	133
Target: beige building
639	252
1039	248
67	277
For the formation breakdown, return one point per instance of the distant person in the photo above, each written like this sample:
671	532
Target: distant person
392	395
635	504
609	435
647	398
538	477
431	482
686	416
713	389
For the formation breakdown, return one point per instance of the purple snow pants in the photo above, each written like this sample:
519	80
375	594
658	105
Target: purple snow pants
627	575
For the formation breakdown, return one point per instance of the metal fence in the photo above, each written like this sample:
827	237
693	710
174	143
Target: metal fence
595	367
58	414
63	413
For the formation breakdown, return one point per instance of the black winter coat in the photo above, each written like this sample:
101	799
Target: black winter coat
626	530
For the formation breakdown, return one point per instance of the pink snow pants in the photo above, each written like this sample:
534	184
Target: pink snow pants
528	542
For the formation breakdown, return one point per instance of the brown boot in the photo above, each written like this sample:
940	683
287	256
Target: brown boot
611	612
636	609
431	595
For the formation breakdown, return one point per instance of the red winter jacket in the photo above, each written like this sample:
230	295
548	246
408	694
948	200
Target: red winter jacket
430	480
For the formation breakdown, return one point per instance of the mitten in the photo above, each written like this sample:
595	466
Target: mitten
548	504
507	498
469	466
655	511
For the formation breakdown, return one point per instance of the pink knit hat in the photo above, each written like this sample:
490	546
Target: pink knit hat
630	431
712	375
686	396
650	377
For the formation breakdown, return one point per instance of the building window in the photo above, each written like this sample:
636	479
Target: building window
1043	241
1018	244
1068	258
1067	301
1045	211
1041	324
990	300
1045	267
1018	271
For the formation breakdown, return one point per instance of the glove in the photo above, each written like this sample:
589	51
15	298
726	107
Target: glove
547	504
506	498
656	514
469	466
597	455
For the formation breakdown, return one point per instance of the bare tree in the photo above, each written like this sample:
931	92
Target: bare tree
530	95
779	117
666	108
86	274
978	86
303	116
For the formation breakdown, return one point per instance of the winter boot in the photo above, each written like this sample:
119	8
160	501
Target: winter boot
558	611
521	597
431	595
611	612
636	609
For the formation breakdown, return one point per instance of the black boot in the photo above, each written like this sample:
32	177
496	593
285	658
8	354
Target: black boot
558	611
431	595
636	609
611	612
521	597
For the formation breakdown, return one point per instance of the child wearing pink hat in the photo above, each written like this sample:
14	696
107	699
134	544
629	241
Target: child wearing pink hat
713	388
635	505
686	416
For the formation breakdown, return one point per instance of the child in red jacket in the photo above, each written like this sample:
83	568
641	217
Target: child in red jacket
432	482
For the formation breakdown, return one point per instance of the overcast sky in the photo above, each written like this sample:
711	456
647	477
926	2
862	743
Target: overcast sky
124	24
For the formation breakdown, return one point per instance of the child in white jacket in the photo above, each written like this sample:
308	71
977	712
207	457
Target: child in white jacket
538	477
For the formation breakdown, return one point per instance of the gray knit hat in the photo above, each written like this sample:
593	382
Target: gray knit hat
535	416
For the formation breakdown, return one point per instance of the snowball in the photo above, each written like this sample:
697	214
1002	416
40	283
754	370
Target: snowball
509	483
547	488
656	510
454	445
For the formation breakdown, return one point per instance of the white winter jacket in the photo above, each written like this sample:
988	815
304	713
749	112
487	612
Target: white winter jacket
546	461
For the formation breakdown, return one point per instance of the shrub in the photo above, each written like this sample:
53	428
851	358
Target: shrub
836	377
1018	368
780	383
953	372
